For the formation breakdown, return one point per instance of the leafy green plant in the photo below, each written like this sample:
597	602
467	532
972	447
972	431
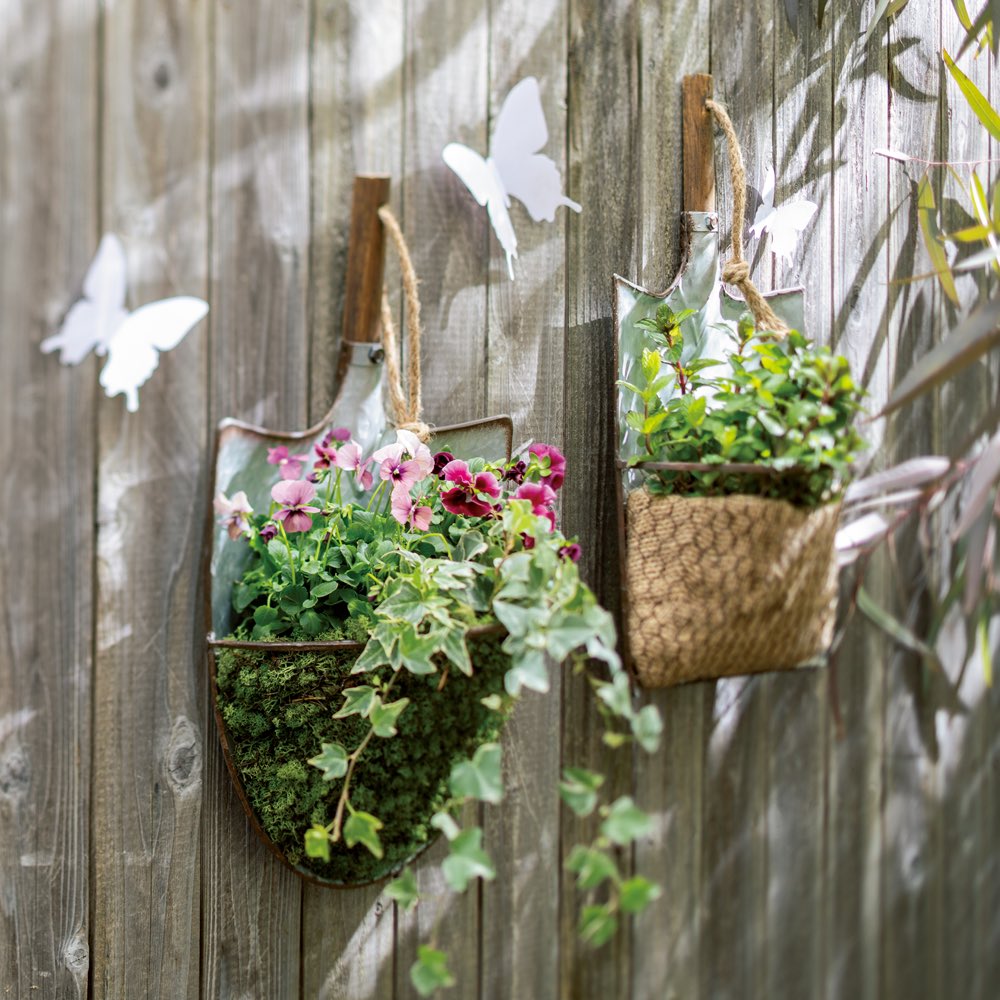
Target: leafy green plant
463	592
778	423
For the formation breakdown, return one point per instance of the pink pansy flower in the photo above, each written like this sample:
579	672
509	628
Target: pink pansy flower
462	498
234	515
289	466
327	456
570	551
400	473
407	443
540	496
294	497
341	434
553	463
349	459
405	510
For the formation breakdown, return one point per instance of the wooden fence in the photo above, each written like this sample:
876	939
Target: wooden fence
219	138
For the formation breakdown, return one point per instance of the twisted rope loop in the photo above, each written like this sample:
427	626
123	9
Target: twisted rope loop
406	409
736	271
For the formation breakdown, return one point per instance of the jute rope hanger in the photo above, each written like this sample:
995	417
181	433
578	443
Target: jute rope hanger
736	270
406	409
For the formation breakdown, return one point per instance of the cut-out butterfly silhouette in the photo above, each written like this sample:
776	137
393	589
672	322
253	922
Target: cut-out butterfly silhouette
784	224
132	341
514	167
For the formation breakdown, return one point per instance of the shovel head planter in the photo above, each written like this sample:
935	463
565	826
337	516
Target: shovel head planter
274	701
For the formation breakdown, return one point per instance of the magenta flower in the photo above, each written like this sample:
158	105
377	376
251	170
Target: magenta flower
234	515
514	473
463	497
441	459
552	462
268	532
405	510
327	456
336	434
294	497
407	443
540	497
349	459
483	482
570	551
460	501
289	466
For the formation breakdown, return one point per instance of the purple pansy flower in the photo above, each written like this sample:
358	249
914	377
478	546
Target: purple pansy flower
289	466
570	551
552	462
406	511
349	459
234	515
441	459
268	532
327	456
294	497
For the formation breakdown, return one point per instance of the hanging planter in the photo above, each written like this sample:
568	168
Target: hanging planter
735	439
385	593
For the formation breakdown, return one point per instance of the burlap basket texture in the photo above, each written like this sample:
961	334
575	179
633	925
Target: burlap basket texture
721	586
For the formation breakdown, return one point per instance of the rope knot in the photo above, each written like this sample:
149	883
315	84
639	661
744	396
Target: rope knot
736	272
417	427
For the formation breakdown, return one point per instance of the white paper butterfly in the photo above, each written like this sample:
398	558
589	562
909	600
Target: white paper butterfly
514	167
783	224
100	322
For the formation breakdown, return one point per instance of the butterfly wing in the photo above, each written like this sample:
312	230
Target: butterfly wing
528	175
92	320
133	352
481	178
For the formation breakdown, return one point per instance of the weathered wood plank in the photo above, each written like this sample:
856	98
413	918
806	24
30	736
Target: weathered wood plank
525	348
356	101
148	713
673	41
734	854
446	98
260	232
603	176
48	232
859	256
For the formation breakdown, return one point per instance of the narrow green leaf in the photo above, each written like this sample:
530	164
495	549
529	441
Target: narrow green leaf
983	631
981	107
927	214
892	626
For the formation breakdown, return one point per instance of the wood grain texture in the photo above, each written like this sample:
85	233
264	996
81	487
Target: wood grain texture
250	943
446	98
49	170
148	760
698	138
603	103
674	40
356	101
525	323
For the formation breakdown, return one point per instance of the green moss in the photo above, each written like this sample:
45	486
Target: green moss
278	709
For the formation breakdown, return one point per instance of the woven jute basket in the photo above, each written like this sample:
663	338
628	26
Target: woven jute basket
719	586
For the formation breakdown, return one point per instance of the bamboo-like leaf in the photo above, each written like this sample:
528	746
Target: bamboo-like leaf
912	472
820	12
981	107
973	234
927	213
982	482
983	630
969	341
852	538
988	20
881	8
963	14
975	550
985	257
892	626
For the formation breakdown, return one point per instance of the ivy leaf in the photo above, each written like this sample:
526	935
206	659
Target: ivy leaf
404	889
528	671
617	695
637	893
598	925
578	789
445	822
479	778
332	761
626	822
430	971
467	860
317	842
363	828
493	702
375	654
592	867
647	726
357	701
384	717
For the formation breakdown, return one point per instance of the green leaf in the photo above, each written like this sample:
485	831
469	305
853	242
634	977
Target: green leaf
578	789
404	889
772	423
445	822
373	655
317	842
363	828
528	670
626	822
311	622
617	695
592	867
479	778
598	925
892	626
430	971
983	633
332	761
637	893
325	588
650	364
980	105
647	726
927	214
383	717
357	701
467	860
970	340
493	702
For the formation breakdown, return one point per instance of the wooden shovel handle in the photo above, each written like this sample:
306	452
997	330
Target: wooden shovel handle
698	144
365	260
